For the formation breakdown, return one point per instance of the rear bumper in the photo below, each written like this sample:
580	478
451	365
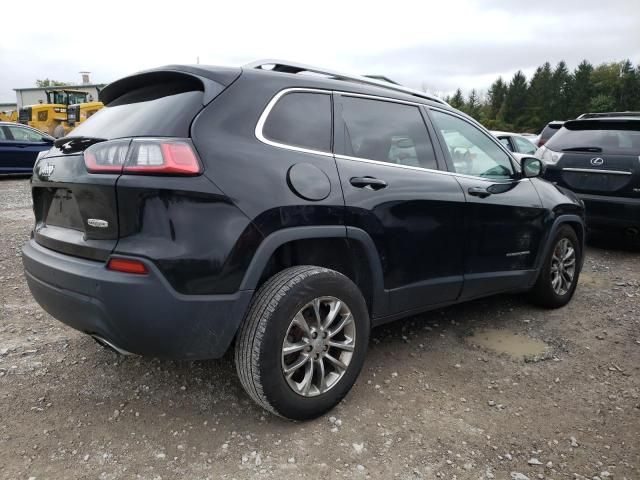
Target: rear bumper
141	314
616	212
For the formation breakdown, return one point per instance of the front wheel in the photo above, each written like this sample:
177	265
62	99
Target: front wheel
303	342
558	277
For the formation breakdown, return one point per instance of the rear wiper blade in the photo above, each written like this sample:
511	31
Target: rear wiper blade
76	144
582	149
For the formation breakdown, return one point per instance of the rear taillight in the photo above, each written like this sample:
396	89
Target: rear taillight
153	156
127	265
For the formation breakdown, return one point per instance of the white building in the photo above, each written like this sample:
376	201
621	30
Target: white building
7	106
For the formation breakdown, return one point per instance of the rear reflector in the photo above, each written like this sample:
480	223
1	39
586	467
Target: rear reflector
127	266
156	156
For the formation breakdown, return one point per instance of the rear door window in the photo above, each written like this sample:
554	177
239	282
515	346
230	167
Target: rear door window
387	132
301	119
21	134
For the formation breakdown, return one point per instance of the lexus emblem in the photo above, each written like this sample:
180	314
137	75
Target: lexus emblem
46	170
597	161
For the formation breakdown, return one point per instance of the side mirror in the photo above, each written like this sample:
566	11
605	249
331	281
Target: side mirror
47	140
532	167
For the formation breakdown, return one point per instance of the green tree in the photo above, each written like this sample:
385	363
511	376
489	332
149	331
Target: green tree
539	97
495	97
628	94
457	101
50	83
560	93
515	101
582	89
602	103
472	106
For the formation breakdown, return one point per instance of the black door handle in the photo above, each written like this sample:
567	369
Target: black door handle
479	192
368	182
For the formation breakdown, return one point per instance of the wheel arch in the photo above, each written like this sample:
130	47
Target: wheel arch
576	223
349	250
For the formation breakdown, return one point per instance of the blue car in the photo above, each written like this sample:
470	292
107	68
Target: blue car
20	146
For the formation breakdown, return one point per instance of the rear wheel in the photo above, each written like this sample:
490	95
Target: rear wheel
559	275
303	342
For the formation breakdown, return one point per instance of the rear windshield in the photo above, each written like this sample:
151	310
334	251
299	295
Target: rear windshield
154	110
619	138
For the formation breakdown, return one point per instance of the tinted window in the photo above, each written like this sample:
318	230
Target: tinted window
599	136
3	136
157	115
472	152
524	146
24	134
386	131
550	130
301	119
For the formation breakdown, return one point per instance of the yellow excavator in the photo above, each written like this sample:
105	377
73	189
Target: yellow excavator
64	110
9	116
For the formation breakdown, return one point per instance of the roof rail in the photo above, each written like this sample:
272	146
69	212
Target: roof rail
609	114
293	67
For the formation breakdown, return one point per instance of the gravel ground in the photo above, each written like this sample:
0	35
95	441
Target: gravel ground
428	404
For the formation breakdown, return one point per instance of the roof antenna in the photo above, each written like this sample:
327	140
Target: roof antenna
198	60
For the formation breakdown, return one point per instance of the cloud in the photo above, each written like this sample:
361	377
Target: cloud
443	45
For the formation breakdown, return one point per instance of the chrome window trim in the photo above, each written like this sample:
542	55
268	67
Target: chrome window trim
265	114
593	170
429	170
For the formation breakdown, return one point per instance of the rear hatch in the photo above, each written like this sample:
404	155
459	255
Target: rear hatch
77	210
598	157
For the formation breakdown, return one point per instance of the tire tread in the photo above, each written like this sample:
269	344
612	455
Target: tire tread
255	323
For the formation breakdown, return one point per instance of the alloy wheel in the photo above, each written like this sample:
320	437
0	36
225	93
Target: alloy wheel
563	266
318	346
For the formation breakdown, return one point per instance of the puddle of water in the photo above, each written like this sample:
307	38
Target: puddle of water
518	347
591	280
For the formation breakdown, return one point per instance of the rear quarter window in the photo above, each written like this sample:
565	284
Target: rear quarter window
549	131
301	119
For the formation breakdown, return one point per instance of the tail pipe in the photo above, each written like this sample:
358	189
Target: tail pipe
107	344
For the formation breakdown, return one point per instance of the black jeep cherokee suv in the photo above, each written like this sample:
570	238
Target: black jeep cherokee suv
286	214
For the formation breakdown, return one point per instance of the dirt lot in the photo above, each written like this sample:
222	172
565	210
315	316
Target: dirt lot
430	403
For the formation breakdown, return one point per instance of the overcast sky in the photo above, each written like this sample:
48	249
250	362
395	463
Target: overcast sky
438	45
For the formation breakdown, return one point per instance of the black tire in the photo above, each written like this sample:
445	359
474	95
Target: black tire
259	344
543	293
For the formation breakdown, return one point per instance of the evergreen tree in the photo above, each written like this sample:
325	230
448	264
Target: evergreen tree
457	101
582	89
628	96
539	98
495	97
553	94
560	91
472	107
515	101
